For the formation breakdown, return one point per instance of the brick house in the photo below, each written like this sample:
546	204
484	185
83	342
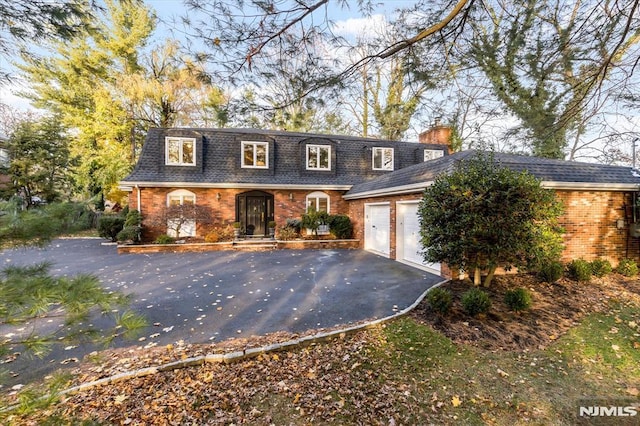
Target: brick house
256	176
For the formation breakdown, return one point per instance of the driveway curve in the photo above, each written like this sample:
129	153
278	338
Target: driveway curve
212	296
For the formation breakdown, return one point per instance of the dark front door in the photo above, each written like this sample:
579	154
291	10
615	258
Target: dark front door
254	211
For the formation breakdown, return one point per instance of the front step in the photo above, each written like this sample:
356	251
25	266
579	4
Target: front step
255	244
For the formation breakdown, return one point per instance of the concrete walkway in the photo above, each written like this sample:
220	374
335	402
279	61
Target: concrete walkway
209	297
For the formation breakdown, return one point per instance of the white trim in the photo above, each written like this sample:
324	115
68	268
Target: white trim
323	169
254	144
368	229
231	185
434	268
315	196
593	186
382	149
181	140
420	186
396	190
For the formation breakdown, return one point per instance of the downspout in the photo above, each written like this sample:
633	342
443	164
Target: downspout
139	200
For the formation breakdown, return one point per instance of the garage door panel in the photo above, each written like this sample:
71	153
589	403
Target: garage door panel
408	242
377	232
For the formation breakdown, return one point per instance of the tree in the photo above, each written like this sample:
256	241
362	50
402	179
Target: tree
483	216
30	296
176	217
40	160
29	21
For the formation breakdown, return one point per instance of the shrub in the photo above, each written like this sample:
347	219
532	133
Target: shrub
518	299
295	224
132	218
579	270
287	233
551	272
110	225
165	239
627	267
129	233
440	300
340	225
601	268
220	233
475	301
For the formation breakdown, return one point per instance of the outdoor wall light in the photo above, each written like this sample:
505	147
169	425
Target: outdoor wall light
218	196
291	196
620	224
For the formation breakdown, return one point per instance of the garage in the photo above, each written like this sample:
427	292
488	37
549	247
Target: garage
408	246
377	228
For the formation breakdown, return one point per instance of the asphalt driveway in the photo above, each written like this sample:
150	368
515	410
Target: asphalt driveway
208	297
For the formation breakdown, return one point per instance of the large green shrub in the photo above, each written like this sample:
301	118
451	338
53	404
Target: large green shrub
109	226
551	272
313	219
340	225
580	270
483	216
601	267
475	301
165	239
132	230
627	267
518	299
440	300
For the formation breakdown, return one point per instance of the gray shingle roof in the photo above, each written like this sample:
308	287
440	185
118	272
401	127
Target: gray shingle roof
553	173
218	158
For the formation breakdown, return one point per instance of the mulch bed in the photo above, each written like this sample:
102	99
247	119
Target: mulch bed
556	307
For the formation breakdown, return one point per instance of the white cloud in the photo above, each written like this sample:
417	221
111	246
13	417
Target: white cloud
358	27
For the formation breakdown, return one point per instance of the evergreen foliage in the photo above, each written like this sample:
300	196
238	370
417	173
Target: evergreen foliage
483	216
518	299
475	301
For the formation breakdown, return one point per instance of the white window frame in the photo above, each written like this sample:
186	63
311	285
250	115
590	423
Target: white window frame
181	141
254	145
381	151
313	199
188	228
432	154
320	147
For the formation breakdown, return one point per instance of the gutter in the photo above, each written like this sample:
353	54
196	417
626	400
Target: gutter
128	186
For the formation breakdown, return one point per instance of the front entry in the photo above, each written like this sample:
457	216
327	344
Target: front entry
254	211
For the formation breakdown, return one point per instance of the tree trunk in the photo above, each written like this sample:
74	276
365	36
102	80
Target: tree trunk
476	277
489	277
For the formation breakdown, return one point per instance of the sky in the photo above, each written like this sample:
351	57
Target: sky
348	22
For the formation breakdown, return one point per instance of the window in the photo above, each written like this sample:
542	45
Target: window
181	221
382	158
4	158
255	155
432	154
319	201
318	157
180	151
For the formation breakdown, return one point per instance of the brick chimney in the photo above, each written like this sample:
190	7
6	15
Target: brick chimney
438	134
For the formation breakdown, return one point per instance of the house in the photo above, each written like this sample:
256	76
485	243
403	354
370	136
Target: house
256	176
600	217
5	180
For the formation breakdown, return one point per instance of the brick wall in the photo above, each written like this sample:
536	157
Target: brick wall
288	204
590	222
589	219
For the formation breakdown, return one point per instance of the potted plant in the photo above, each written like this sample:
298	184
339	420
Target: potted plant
236	229
272	228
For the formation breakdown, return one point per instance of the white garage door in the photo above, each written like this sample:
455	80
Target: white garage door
408	246
376	228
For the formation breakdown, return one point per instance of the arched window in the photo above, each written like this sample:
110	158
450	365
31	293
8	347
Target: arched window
319	201
180	219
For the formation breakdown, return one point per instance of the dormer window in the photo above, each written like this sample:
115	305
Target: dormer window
255	155
382	159
432	154
318	157
180	151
